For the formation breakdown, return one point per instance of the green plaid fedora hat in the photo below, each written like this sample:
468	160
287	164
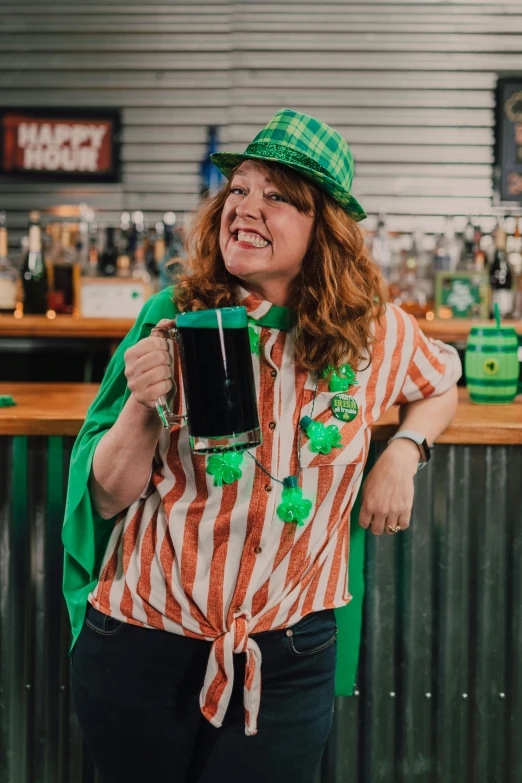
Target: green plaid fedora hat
306	145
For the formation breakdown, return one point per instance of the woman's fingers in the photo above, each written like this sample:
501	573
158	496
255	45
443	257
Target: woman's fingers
377	526
166	323
147	385
148	367
156	358
365	518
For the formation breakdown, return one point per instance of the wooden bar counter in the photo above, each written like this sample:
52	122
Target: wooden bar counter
452	331
60	408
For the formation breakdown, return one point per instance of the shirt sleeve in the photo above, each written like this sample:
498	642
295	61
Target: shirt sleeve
433	366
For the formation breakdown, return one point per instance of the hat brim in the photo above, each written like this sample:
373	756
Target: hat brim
226	162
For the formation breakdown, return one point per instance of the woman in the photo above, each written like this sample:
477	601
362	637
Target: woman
169	578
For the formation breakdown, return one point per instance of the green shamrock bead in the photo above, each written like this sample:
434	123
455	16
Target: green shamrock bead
340	379
225	467
253	336
293	507
338	383
346	372
322	439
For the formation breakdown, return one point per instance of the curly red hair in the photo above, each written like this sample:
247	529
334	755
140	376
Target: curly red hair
336	297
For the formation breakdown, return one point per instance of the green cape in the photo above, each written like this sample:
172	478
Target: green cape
85	534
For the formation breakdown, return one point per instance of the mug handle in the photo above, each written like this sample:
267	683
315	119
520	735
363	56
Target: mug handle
168	419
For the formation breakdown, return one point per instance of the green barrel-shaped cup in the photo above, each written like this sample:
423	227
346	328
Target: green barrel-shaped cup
492	365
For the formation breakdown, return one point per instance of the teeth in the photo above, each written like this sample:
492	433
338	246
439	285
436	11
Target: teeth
253	239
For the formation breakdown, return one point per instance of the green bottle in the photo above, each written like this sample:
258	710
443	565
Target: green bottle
35	282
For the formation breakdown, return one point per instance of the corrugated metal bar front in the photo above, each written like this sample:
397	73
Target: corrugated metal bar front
439	695
439	689
39	735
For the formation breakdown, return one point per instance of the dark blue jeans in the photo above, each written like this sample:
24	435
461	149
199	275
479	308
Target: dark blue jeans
136	693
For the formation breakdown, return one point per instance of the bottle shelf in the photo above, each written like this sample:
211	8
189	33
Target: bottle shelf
451	331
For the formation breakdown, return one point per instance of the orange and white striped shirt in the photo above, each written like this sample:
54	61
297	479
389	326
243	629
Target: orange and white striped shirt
217	563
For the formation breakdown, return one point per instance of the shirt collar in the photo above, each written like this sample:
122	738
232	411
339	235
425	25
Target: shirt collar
265	313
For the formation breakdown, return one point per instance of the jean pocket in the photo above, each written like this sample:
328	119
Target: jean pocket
102	623
313	633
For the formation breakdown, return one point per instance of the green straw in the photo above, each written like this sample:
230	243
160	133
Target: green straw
496	312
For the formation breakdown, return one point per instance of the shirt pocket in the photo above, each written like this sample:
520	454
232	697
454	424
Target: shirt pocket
352	450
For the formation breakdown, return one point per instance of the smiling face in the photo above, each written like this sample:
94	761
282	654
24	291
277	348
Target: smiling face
263	236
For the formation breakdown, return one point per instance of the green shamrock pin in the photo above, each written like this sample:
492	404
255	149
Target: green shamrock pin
322	439
293	507
341	379
225	467
253	336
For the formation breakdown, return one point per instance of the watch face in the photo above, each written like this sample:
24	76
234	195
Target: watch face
425	449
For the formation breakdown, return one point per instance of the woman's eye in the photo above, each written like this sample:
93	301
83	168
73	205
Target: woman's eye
236	189
277	197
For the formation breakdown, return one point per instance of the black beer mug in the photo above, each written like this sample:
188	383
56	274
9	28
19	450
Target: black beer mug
218	380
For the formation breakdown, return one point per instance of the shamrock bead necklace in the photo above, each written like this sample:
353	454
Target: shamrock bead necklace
293	508
225	467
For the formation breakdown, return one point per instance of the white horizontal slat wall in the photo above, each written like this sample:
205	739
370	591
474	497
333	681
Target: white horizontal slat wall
166	65
409	84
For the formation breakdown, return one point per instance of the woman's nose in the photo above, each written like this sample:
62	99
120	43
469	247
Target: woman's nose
250	206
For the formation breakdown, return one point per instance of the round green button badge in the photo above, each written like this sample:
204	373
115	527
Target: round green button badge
344	407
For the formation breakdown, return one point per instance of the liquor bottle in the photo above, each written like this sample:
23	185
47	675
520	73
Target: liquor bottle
63	273
93	251
107	262
170	266
467	259
501	277
425	278
139	268
159	250
82	240
515	249
8	273
479	257
150	249
35	280
124	253
447	250
381	247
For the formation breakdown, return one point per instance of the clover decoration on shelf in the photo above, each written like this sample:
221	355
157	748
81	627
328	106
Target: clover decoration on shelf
322	439
253	336
341	379
225	467
293	507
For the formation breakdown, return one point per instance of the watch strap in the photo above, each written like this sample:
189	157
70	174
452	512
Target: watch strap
418	439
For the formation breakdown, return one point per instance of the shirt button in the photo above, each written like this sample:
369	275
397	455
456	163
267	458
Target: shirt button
257	550
272	425
268	488
274	373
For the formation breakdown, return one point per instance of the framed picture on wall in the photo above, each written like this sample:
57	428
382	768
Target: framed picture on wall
508	140
68	144
461	295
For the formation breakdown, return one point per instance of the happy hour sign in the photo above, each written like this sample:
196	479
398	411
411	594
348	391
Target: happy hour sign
60	145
